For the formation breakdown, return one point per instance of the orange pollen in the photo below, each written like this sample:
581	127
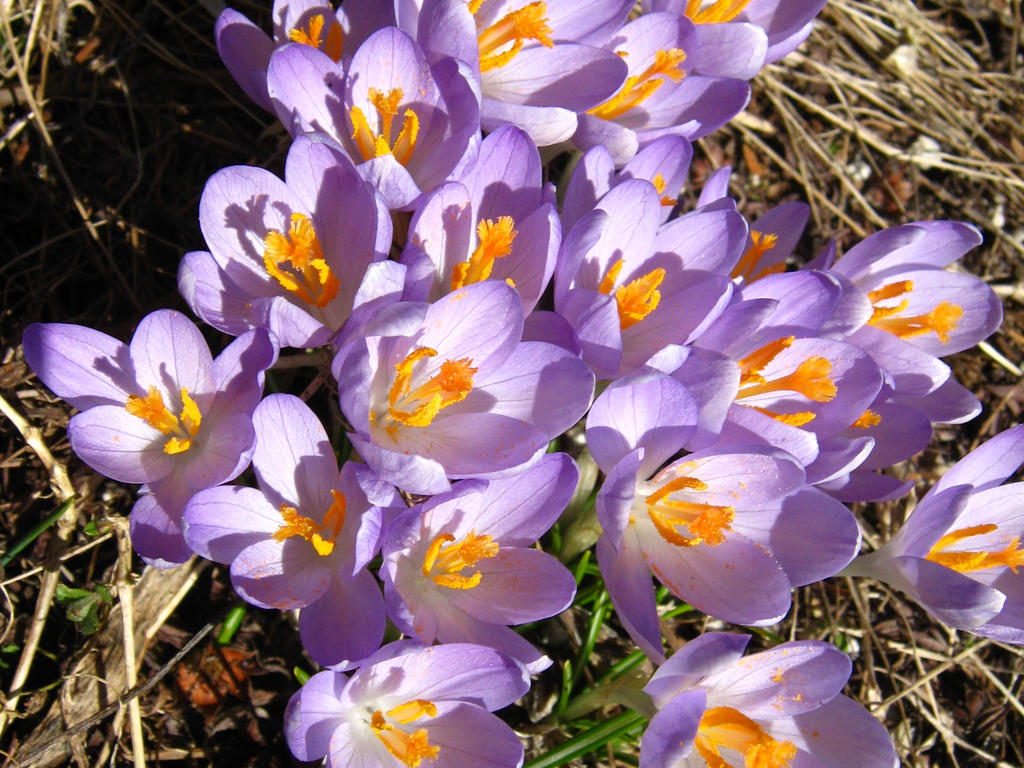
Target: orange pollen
152	410
296	261
409	748
718	11
495	243
810	379
638	298
964	561
418	408
312	34
636	89
760	245
751	365
659	184
942	320
867	419
445	561
798	419
372	144
728	728
706	523
500	42
322	537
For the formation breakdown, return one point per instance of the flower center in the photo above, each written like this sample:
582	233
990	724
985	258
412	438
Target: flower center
810	379
867	419
445	560
152	410
659	184
943	319
637	88
761	244
297	263
725	727
500	42
495	243
636	299
706	523
379	144
322	537
419	407
312	35
1011	557
409	748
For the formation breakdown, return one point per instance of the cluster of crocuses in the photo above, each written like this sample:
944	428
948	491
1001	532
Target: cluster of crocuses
470	316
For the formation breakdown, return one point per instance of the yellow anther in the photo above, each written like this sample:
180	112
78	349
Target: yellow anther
412	711
500	42
718	11
152	410
760	245
965	561
495	242
638	298
373	144
322	537
659	184
638	88
409	748
810	379
445	560
867	419
296	261
608	281
943	320
312	35
752	364
448	386
728	728
798	419
706	523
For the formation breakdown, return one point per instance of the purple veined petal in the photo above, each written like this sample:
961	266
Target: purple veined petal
615	500
305	87
712	380
119	445
850	313
628	580
730	333
368	535
518	510
840	734
1007	626
654	412
987	465
912	373
221	522
716	186
213	296
541	384
294	461
1003	505
622	143
949	403
357	606
806	300
745	426
838	456
516	586
170	353
289	14
591	179
238	371
728	50
737	580
449	672
292	325
221	454
594	317
551	328
352	746
545	125
711	238
455	626
361	18
414	474
245	50
531	262
445	28
583	238
921	244
442	229
80	365
698	106
784	681
634	211
865	485
507	177
741	476
933	516
314	713
592	23
706	655
469	737
285	574
374	489
380	289
392	180
156	533
901	433
671	732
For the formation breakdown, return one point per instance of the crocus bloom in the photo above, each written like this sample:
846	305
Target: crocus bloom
959	552
448	390
291	255
159	411
729	530
405	124
303	539
410	704
773	709
461	566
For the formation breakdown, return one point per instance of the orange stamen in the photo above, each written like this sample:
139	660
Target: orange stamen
304	527
409	748
152	410
312	33
718	11
444	560
964	561
659	184
760	245
637	88
372	144
638	298
500	42
728	728
418	408
706	523
495	243
867	419
296	261
943	320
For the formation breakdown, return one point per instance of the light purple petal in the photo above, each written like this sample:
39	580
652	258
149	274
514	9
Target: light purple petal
284	574
119	445
156	532
628	581
314	713
670	734
346	624
221	522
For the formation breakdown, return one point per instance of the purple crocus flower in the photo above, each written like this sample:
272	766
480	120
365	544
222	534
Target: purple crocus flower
448	390
730	530
497	220
302	257
959	552
776	708
406	124
461	567
303	539
158	411
408	705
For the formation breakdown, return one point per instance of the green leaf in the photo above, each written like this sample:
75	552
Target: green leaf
589	740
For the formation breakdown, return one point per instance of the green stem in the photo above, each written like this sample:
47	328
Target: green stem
588	741
35	532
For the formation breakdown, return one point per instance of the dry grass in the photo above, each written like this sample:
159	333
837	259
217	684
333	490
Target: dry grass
115	113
